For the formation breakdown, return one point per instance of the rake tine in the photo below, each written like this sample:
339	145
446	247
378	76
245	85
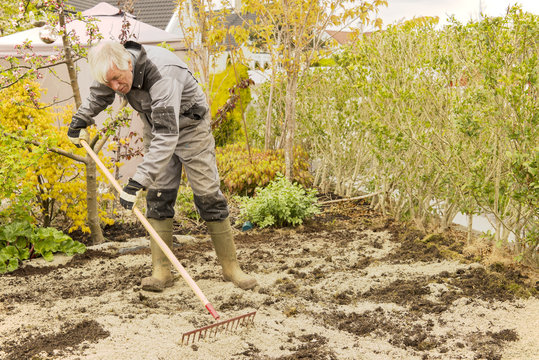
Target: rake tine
210	331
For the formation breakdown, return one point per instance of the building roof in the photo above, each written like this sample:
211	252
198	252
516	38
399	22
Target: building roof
342	37
232	20
152	12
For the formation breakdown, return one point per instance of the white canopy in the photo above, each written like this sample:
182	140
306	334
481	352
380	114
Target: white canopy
109	21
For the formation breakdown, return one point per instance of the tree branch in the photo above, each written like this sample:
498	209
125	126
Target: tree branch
351	199
54	150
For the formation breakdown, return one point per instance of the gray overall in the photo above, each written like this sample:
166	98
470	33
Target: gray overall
177	132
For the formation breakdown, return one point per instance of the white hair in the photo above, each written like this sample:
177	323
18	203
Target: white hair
102	56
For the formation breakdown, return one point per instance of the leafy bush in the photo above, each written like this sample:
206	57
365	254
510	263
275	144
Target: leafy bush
281	203
241	174
229	130
49	186
444	121
20	241
15	194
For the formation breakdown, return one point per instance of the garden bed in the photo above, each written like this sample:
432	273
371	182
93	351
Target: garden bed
349	284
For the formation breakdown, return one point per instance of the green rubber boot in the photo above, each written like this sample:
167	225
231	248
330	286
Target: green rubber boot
221	236
161	275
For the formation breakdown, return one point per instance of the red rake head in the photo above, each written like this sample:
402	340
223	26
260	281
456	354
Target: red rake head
212	330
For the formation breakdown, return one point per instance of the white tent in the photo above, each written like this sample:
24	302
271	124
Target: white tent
109	21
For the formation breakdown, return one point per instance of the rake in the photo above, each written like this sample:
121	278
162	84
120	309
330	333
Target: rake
197	334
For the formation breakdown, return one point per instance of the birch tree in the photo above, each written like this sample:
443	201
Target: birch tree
293	31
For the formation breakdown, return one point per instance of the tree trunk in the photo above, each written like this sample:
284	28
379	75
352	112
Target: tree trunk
91	171
91	204
267	132
69	62
470	229
290	117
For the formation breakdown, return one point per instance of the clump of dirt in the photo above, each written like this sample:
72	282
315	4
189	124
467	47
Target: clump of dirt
107	279
402	292
488	345
405	330
483	284
252	352
119	232
345	298
473	283
416	246
286	287
359	324
56	343
417	337
411	248
145	300
235	302
78	260
362	263
520	274
312	347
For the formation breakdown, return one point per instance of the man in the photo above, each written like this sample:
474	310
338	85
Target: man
177	132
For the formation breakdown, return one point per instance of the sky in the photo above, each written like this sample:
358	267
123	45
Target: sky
464	10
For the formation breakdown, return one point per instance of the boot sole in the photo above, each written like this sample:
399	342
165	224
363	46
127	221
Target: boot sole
155	285
246	285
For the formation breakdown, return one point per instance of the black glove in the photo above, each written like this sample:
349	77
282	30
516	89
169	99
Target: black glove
77	131
131	193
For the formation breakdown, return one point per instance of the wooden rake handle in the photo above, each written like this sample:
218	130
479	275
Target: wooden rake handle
154	234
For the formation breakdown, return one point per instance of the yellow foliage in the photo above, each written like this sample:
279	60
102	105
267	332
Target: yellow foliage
59	182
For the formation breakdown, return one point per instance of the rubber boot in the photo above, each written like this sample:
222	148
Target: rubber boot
221	236
161	275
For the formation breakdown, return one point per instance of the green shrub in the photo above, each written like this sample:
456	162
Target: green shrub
20	241
229	130
281	203
241	174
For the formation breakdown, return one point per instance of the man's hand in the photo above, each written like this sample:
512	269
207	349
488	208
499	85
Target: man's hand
131	193
77	132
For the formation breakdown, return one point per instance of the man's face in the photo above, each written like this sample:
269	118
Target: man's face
119	80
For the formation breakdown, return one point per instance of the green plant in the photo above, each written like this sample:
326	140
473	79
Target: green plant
439	121
20	241
228	98
42	183
281	203
241	173
184	206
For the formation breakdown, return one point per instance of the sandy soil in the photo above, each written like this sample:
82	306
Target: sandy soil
347	285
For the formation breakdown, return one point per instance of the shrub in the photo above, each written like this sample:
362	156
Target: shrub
49	186
20	241
241	174
230	130
281	203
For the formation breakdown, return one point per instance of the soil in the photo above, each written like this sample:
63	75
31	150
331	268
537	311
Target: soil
348	284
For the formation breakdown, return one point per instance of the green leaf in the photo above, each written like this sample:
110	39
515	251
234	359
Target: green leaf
13	264
8	252
14	231
47	255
